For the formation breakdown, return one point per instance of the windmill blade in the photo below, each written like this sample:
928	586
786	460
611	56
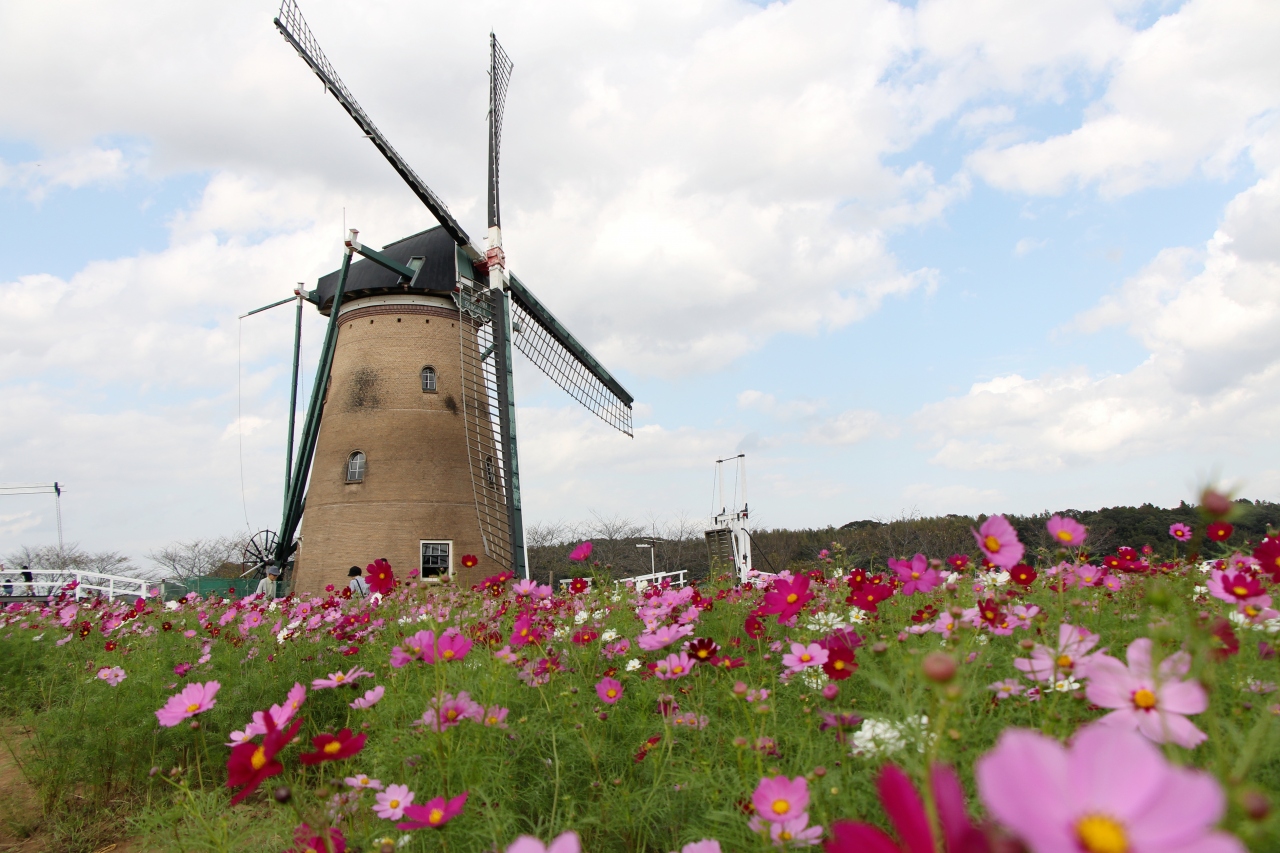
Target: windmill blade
295	30
500	66
547	343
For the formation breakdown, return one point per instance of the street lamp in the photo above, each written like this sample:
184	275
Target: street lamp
653	569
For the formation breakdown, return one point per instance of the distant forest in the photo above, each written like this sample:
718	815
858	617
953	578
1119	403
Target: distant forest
868	543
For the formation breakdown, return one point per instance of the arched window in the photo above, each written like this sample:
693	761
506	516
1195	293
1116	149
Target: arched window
428	380
355	467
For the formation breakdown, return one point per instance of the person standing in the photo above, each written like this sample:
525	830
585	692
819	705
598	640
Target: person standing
267	586
30	579
358	585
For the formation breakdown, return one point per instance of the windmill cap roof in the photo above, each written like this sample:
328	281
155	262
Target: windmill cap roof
439	272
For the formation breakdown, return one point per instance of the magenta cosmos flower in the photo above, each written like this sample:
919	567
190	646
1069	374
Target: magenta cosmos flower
906	812
452	645
419	646
999	542
915	574
787	598
1066	531
1180	531
581	553
609	690
778	799
1111	791
434	813
194	699
1156	704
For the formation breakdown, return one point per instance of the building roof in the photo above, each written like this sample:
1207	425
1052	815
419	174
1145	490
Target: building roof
439	272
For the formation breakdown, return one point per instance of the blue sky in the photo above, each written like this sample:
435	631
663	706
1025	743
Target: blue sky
940	257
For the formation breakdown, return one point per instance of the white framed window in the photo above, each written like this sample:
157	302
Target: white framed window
355	467
437	559
428	380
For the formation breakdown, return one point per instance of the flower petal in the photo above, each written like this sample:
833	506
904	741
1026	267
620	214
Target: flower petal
1114	770
1110	684
905	809
1023	783
1182	697
850	837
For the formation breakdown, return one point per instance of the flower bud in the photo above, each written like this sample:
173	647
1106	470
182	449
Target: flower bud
154	771
282	794
880	648
1215	503
830	692
739	688
1026	645
1255	804
939	667
819	771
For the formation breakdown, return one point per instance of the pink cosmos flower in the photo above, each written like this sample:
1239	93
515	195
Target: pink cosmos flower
193	699
663	637
340	679
369	699
621	647
496	717
609	690
789	833
505	655
452	645
434	813
1237	588
391	802
999	542
113	675
419	646
525	587
1156	704
1066	531
523	632
1071	657
449	711
1110	790
1180	532
361	782
675	666
778	799
252	619
906	812
581	553
565	842
915	574
803	657
1006	689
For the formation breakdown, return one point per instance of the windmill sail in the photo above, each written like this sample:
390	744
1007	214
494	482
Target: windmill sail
295	30
548	344
500	66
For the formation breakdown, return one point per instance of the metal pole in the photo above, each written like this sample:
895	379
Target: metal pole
57	503
293	388
507	428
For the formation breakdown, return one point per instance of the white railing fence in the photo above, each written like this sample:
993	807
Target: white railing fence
642	581
44	583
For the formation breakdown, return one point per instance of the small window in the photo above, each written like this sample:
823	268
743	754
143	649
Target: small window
428	380
490	473
435	560
355	467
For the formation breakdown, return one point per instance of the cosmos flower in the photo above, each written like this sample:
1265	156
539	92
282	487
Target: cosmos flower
333	747
778	799
1180	531
664	636
581	553
1111	790
380	577
523	632
340	679
803	657
369	699
361	782
1154	703
496	717
1237	588
1070	657
391	803
999	542
113	675
916	576
609	690
434	813
1219	531
1066	531
565	842
840	663
452	645
1006	689
905	809
250	764
469	561
305	840
193	699
787	598
675	666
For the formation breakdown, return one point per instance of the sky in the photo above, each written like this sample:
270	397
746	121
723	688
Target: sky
911	258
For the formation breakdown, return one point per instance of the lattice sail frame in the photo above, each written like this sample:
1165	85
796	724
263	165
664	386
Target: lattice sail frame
542	345
500	67
486	456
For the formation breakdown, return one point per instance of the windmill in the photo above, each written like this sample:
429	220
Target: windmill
412	416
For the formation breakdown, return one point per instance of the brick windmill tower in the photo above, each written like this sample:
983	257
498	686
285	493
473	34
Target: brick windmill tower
408	450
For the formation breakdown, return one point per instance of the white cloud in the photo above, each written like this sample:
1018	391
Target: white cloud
1027	245
849	427
1210	382
785	410
1189	93
16	523
73	169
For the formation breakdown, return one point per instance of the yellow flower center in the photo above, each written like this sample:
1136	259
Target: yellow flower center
446	654
611	693
451	714
702	653
1251	611
839	664
1144	699
259	759
339	677
992	543
915	576
1064	662
791	599
784	835
395	804
1065	535
1239	590
193	707
493	721
677	669
1101	834
781	806
806	657
435	816
332	747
